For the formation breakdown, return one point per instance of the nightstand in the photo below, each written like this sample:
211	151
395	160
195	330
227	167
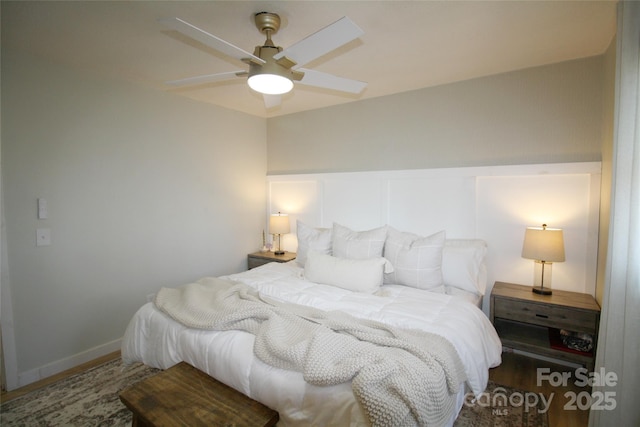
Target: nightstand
257	259
531	322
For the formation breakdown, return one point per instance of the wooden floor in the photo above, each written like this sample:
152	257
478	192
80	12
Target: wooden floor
515	371
520	372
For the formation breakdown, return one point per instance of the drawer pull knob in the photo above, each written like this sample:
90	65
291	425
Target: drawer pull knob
544	316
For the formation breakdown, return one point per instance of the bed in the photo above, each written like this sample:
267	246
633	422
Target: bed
429	287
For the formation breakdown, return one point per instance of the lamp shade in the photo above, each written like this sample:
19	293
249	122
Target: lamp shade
279	224
270	84
543	244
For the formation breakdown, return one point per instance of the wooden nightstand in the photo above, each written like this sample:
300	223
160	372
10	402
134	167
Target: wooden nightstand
531	322
257	259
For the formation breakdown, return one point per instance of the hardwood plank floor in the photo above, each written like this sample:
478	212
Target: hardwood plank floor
520	372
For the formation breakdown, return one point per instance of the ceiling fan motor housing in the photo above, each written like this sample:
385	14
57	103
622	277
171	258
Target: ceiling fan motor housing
271	66
269	23
273	77
280	67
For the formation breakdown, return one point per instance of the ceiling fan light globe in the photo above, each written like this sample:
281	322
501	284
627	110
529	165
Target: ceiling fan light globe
270	84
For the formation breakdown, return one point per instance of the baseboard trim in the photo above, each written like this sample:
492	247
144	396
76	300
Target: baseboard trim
37	374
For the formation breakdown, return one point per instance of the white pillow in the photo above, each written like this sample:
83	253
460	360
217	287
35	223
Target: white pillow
358	244
359	275
309	238
417	261
463	265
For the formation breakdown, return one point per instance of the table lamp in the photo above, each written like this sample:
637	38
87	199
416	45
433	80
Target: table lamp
279	225
545	246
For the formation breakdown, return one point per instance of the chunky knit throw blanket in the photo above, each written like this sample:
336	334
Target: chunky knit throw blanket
400	377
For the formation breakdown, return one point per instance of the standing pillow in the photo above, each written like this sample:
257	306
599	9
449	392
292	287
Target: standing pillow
309	238
358	244
417	261
463	265
358	275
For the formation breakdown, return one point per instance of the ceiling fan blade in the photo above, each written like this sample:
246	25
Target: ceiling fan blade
209	39
207	78
329	81
323	41
271	101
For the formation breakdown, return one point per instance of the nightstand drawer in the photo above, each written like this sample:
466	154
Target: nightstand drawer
547	315
256	262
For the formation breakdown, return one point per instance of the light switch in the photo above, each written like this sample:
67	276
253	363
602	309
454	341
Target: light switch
43	237
42	209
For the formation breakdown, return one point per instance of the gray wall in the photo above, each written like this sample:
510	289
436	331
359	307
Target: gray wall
144	189
546	114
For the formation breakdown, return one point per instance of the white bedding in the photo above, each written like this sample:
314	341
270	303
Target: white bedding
156	340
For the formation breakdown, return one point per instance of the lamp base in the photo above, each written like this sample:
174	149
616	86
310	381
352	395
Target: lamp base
541	291
542	278
278	252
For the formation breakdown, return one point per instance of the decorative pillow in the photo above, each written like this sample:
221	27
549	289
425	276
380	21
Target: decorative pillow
463	265
309	238
417	261
358	244
359	275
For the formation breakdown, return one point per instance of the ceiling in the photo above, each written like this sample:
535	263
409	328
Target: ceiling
407	45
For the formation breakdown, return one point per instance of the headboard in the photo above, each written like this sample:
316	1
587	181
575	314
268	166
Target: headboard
493	203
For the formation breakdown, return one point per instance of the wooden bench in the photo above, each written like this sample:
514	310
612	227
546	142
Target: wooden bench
185	396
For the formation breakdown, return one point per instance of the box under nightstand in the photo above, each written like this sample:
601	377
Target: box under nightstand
531	322
257	259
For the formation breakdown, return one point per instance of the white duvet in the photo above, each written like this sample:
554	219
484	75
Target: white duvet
157	340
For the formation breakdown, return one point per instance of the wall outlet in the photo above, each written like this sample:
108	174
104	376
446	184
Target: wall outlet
43	237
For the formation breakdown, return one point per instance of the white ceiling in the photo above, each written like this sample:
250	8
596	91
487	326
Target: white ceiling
406	45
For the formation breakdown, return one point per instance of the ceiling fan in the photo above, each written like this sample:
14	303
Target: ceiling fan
273	70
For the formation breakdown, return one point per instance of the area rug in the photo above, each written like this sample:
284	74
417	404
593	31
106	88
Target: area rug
502	406
91	398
